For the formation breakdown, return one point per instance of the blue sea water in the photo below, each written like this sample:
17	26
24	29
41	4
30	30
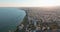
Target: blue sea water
10	18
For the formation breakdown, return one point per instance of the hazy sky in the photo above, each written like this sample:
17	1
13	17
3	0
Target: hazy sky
17	3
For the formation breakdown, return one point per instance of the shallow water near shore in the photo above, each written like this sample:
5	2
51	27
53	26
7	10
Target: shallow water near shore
10	18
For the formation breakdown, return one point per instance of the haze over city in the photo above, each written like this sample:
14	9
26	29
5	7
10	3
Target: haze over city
29	15
29	3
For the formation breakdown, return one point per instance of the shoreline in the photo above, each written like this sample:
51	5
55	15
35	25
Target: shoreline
23	22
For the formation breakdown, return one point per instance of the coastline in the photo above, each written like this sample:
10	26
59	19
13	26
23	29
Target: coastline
23	22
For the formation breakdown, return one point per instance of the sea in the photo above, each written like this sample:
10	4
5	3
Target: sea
10	18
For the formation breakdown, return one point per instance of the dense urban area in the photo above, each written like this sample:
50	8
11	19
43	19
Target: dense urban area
39	19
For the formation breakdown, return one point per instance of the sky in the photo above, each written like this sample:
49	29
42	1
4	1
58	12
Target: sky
29	3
